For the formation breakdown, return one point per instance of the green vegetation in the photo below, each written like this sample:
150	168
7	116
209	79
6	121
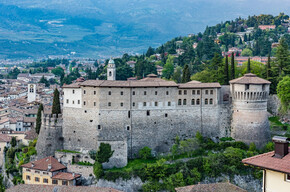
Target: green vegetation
103	155
38	119
56	103
276	125
283	90
145	153
190	162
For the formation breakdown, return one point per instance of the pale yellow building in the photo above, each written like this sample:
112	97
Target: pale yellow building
47	171
275	165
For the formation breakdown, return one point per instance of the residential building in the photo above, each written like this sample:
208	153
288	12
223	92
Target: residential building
47	171
275	166
267	27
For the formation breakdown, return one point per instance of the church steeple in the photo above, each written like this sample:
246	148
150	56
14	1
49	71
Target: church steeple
111	70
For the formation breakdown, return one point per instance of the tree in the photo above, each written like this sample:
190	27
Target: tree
13	142
145	153
98	170
185	75
249	65
58	71
226	79
168	68
233	75
247	52
283	91
283	57
150	52
44	81
104	153
245	37
38	119
56	104
177	75
269	68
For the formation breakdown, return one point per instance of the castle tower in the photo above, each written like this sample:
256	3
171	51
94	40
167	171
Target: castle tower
250	119
31	93
50	136
111	70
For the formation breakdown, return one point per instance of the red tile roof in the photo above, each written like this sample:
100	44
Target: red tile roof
58	188
267	161
42	164
249	78
5	138
212	187
66	176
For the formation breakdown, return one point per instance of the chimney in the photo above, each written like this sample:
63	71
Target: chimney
281	146
49	167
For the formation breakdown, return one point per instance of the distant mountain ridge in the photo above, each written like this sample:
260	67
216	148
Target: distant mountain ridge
95	28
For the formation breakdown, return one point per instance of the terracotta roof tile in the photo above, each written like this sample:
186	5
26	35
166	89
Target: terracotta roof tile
53	188
30	135
267	161
194	84
249	78
5	138
213	187
42	164
66	176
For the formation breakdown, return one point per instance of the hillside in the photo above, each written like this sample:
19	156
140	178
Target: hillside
94	28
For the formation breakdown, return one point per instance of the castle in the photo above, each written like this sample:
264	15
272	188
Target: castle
152	112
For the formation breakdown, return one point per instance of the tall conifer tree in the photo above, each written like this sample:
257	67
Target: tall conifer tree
269	67
38	119
249	65
56	104
233	76
185	75
227	71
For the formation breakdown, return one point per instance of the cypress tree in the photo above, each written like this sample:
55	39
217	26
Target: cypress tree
56	104
227	71
233	76
185	75
245	38
38	119
269	67
249	65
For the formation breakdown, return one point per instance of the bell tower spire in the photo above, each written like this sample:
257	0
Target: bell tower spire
111	70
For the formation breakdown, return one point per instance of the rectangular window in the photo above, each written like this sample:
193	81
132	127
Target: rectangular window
145	93
185	92
79	101
121	104
45	180
95	103
67	101
133	104
37	172
54	182
156	93
247	87
95	92
169	103
109	104
84	92
99	127
28	170
156	104
73	91
206	92
84	103
109	93
37	179
27	177
167	92
121	93
288	177
179	101
198	92
193	92
144	104
211	92
148	113
180	92
73	102
133	93
64	182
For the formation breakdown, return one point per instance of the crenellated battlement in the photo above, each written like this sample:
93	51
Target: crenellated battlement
251	95
51	120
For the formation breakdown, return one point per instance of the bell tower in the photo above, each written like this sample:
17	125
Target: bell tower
111	70
31	93
250	117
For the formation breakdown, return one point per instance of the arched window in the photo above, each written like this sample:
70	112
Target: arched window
211	101
197	101
192	102
110	73
206	101
179	101
184	101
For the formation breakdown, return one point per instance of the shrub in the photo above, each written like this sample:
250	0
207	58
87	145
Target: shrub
104	153
98	170
252	147
145	153
152	186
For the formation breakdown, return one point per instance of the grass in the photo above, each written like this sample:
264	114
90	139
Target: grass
67	151
275	124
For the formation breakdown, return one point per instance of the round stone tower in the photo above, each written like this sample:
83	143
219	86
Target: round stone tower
111	70
250	117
